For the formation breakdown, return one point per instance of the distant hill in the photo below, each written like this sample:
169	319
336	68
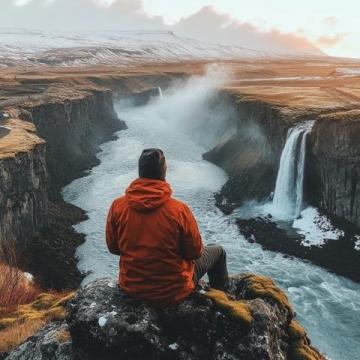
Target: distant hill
29	47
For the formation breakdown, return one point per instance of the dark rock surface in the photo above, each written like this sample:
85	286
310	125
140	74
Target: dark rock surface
253	321
338	256
73	130
51	255
334	165
23	195
50	343
106	324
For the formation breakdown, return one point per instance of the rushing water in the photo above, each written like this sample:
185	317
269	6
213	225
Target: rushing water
288	195
327	305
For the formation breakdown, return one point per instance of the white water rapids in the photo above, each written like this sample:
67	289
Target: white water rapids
327	305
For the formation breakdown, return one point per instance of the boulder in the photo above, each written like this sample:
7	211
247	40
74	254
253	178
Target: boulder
253	320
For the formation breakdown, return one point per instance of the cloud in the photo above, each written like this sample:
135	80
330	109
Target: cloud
77	14
211	25
330	21
206	24
331	41
21	2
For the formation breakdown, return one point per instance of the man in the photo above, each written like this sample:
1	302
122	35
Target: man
162	256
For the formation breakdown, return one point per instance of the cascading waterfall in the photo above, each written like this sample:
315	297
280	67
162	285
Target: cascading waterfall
160	92
288	195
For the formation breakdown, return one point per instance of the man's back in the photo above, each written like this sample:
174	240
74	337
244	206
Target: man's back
158	240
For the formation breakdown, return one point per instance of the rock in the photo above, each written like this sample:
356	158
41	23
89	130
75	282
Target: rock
334	165
51	343
251	322
339	256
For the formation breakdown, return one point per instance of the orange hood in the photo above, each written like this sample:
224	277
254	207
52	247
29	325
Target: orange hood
147	194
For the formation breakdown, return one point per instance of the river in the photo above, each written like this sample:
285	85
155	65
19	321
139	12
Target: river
328	306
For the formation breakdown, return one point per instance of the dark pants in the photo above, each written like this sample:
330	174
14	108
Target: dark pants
212	262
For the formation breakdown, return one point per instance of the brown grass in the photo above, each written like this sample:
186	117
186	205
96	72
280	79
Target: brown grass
11	337
16	326
46	307
15	288
24	308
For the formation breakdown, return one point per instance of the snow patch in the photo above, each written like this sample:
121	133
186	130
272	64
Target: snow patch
23	47
349	71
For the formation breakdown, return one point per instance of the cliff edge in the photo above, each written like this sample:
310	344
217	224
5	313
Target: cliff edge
253	320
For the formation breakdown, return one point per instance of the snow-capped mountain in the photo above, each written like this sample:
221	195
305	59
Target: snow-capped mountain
28	47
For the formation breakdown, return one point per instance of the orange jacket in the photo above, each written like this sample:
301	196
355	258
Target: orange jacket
158	239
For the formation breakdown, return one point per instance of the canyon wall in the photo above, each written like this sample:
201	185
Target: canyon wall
249	150
334	165
73	129
47	140
23	188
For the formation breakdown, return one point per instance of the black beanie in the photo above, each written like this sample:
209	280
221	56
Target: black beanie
152	164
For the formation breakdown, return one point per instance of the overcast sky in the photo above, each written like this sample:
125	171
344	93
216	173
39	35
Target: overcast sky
330	25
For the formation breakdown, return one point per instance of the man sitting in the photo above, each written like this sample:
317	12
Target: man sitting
162	256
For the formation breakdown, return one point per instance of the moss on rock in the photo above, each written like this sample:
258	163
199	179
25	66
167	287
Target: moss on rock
299	345
237	309
263	287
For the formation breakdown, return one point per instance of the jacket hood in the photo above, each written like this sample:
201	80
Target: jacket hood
145	194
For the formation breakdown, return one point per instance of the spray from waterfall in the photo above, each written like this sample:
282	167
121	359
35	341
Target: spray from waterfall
289	190
160	92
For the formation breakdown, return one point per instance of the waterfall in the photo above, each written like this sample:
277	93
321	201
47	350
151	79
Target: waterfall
160	92
288	195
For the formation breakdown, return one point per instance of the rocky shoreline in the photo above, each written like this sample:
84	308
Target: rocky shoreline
338	256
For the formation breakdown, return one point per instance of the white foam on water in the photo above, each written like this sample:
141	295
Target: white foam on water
327	305
315	227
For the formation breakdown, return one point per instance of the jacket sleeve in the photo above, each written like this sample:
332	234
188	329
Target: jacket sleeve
192	245
111	238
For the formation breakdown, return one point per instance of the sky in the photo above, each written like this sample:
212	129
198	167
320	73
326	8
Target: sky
280	25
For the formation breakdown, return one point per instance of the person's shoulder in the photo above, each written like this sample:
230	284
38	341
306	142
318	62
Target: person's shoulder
118	202
178	205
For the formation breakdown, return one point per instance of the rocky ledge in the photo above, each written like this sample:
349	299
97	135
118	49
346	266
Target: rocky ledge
340	256
253	320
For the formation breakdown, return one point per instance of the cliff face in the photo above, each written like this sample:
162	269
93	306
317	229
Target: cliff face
73	129
251	147
249	150
50	138
23	183
49	142
334	165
